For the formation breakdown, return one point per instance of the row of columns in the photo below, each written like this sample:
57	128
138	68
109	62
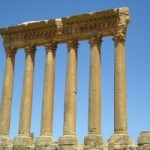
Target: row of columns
69	132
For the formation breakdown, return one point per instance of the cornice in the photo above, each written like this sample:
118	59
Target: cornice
80	26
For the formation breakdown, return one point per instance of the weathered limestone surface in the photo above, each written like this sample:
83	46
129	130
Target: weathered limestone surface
94	138
70	30
81	27
120	101
24	138
120	104
6	102
144	140
48	92
79	147
46	139
69	132
26	105
23	142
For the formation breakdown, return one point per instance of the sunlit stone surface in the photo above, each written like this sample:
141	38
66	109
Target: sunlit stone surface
70	30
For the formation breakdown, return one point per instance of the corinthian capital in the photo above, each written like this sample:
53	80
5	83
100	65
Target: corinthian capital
10	51
30	49
120	36
51	46
72	43
95	40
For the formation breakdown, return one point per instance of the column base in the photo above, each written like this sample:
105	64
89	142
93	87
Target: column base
68	140
93	141
21	142
144	140
44	141
119	140
5	141
68	147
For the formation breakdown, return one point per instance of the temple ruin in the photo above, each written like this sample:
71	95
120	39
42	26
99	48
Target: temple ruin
69	30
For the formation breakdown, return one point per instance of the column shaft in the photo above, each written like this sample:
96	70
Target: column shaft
6	101
48	93
71	90
95	87
120	136
69	133
120	116
94	123
26	103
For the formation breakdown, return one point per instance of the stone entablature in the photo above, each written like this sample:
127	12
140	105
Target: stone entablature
49	33
81	27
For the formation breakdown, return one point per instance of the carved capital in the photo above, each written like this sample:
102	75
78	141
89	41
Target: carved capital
120	36
30	49
10	51
124	16
72	43
95	40
51	46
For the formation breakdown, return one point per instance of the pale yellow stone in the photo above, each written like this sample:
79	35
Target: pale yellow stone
120	136
48	91
120	103
45	137
69	132
6	102
26	103
95	87
82	27
94	139
71	90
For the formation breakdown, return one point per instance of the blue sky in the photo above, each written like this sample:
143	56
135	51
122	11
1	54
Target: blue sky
137	61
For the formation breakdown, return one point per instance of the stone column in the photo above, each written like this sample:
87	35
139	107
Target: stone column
120	108
69	132
24	137
120	104
6	101
48	97
94	124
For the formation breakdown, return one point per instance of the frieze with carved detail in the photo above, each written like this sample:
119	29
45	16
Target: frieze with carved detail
80	26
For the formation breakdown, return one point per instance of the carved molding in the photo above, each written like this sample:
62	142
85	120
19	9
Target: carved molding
81	26
123	20
124	16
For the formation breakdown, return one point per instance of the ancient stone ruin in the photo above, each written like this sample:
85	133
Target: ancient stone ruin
70	30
